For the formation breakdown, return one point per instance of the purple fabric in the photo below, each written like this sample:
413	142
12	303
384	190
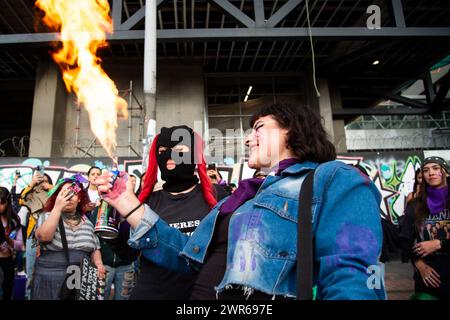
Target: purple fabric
437	199
248	187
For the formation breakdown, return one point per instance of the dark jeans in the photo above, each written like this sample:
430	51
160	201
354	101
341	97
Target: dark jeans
7	265
19	260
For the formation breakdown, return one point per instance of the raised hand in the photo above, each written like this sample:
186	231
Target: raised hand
117	194
62	199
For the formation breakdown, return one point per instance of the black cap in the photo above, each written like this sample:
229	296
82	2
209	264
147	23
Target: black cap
440	161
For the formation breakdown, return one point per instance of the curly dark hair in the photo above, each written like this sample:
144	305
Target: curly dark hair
306	135
82	195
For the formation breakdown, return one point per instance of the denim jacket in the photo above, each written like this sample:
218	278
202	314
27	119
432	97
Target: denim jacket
262	239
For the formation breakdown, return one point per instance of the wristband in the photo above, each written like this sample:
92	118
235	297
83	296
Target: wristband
132	211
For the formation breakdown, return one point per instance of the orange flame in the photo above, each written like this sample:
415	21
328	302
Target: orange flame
83	24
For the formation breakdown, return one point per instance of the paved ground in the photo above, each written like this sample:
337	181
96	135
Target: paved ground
399	280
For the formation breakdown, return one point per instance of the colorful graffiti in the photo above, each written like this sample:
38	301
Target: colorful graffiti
392	173
59	168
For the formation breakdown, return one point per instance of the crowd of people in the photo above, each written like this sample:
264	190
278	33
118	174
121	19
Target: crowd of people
187	234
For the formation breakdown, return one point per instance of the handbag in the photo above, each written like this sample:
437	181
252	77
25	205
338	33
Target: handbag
66	293
305	240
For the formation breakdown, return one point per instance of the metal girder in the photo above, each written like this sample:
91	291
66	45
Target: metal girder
233	12
436	105
248	34
133	20
117	14
160	2
377	111
430	93
394	97
287	8
259	13
397	8
301	33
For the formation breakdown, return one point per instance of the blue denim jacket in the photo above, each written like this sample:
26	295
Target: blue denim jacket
262	239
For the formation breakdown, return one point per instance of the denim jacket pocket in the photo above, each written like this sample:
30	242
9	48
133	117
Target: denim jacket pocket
278	234
284	207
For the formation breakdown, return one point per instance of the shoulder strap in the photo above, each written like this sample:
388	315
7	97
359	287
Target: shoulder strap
62	231
305	240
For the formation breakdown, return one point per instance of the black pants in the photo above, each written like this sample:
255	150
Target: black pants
7	265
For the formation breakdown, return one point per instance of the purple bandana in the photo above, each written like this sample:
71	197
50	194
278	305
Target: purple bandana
248	187
437	199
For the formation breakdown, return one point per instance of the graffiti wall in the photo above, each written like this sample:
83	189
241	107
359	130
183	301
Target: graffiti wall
59	168
392	172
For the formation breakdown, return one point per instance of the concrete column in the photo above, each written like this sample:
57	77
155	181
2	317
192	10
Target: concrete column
180	95
340	141
49	112
328	101
325	109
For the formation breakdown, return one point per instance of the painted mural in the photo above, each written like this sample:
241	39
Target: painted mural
392	173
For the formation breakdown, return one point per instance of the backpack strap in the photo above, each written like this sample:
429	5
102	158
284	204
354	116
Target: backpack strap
62	231
305	240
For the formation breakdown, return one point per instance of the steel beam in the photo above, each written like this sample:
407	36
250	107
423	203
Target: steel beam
397	8
249	34
377	111
287	8
302	33
430	93
134	19
231	11
393	97
160	2
117	14
436	106
259	13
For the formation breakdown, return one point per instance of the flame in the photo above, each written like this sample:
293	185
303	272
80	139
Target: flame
83	25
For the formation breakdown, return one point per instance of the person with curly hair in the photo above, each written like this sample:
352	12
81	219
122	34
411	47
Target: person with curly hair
246	247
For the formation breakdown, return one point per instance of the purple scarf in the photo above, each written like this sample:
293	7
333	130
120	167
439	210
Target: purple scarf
437	199
248	188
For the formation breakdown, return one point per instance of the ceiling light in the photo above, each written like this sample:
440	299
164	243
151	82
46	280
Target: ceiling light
376	62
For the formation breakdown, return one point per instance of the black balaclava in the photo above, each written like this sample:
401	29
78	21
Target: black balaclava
182	176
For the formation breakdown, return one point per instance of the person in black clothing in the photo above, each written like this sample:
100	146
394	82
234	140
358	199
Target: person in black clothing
416	188
182	202
431	258
11	240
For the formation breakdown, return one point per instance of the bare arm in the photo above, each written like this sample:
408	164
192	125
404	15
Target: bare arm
96	258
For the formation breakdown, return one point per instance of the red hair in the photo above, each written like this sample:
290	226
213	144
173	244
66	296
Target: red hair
82	196
152	172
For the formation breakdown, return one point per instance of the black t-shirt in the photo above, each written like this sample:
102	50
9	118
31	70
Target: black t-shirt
184	212
439	260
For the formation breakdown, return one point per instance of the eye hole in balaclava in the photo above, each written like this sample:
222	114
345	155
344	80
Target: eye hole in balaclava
173	139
